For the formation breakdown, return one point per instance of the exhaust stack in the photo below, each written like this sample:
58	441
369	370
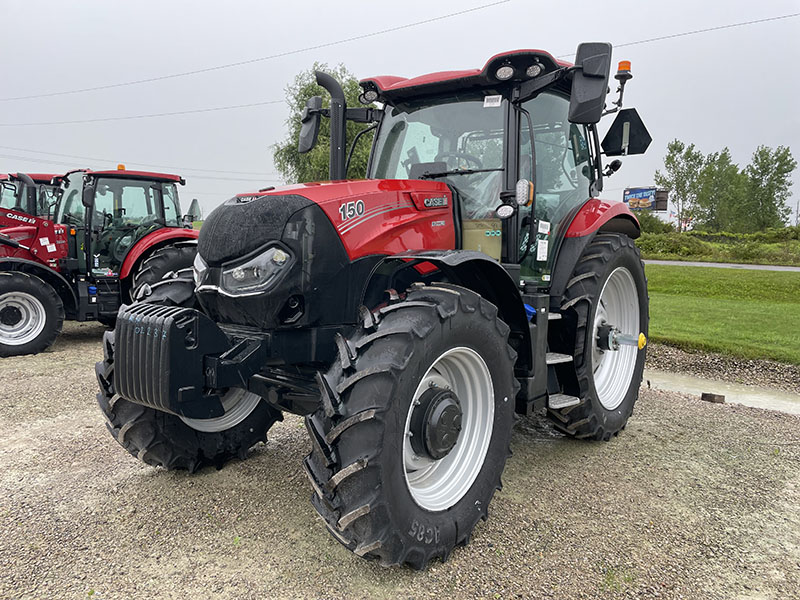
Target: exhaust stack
337	120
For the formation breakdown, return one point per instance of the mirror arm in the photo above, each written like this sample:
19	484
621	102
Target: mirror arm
528	89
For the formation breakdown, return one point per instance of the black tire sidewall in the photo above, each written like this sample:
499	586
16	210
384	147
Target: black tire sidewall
410	519
53	309
613	420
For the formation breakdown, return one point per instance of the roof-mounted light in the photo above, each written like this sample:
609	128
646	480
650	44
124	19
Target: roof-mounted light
533	70
505	72
120	167
368	97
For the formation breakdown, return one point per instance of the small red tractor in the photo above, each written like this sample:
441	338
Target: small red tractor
473	274
23	195
106	236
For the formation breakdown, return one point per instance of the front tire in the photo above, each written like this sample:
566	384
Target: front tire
389	495
166	440
607	287
31	314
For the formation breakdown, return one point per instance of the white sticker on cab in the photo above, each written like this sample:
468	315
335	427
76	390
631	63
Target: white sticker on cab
492	101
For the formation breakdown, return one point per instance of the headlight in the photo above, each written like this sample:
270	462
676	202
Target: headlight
257	274
199	270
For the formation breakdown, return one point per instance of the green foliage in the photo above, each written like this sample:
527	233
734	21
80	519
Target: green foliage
314	165
652	224
681	174
714	195
672	244
769	174
750	314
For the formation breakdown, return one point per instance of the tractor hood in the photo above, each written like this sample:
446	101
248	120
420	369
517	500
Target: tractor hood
420	212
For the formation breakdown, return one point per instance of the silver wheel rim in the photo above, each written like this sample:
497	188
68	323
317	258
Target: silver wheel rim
32	318
618	305
439	484
238	405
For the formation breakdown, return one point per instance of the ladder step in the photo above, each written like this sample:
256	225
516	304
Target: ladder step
554	358
553	316
559	401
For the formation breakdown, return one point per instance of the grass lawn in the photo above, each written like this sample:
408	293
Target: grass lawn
751	314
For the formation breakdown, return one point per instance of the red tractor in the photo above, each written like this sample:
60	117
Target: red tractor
110	234
407	316
24	195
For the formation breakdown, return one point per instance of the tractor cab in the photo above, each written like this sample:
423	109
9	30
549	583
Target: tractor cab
110	211
26	195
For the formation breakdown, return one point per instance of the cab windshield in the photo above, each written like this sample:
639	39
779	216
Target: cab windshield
456	139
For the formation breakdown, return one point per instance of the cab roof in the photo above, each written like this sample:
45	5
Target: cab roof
392	88
37	177
148	175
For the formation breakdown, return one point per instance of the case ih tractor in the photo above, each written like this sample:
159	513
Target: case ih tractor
473	275
24	195
112	233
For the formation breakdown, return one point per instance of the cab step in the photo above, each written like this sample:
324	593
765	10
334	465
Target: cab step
559	401
554	358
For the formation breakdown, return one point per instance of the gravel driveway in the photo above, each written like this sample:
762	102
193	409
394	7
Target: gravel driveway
693	500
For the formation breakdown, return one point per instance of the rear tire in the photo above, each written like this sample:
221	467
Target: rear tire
377	495
31	314
166	440
607	383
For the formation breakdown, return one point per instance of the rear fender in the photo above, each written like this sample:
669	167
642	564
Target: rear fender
475	271
153	241
49	276
596	216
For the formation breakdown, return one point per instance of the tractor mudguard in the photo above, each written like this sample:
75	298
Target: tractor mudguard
53	278
152	241
595	216
483	275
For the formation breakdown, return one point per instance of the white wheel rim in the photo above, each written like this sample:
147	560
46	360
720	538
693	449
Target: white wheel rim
238	405
437	485
618	306
30	322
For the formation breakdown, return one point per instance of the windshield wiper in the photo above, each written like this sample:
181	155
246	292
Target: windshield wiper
428	175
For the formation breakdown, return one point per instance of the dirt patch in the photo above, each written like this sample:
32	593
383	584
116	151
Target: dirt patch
692	500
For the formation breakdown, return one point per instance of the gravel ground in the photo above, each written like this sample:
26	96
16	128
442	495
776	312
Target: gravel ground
766	373
693	500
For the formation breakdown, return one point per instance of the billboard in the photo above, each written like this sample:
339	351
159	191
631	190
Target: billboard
645	198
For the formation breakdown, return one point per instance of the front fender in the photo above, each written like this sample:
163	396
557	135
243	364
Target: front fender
596	214
483	275
162	237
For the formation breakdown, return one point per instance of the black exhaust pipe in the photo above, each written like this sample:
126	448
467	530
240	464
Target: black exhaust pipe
337	120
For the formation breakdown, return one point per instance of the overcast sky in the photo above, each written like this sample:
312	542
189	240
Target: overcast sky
736	87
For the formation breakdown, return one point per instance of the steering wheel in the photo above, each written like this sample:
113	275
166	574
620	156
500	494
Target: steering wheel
468	157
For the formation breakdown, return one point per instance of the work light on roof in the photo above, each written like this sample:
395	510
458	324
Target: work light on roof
533	70
368	97
504	72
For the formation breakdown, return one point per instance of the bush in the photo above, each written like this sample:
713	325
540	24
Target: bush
652	224
673	243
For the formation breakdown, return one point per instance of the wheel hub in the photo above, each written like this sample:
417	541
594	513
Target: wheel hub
10	315
436	423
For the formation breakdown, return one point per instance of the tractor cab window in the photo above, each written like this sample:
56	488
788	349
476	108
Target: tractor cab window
561	177
125	210
70	210
458	140
8	195
46	198
172	208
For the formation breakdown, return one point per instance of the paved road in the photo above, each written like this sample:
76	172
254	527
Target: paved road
723	265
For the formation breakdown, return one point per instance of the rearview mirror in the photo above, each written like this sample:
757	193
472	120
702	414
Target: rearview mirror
88	196
590	83
627	135
310	119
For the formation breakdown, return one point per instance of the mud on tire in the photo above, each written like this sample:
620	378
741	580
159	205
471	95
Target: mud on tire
358	467
607	253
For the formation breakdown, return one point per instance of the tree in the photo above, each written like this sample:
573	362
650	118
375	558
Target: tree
313	166
769	179
682	166
721	202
